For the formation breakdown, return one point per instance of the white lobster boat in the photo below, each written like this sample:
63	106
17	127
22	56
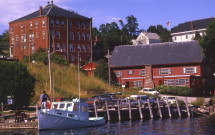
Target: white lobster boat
67	115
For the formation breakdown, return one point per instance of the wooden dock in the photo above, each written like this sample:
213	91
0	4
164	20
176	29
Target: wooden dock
21	125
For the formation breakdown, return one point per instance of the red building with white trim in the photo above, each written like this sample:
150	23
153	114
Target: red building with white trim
67	30
174	64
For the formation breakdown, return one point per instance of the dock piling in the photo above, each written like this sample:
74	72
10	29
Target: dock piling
140	110
95	108
159	108
108	114
179	111
170	115
188	111
129	108
150	109
119	115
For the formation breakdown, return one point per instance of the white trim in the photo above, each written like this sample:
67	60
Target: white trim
188	31
171	76
133	78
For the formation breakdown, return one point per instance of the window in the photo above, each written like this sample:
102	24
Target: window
190	70
84	109
17	38
32	35
71	57
142	72
118	73
33	49
169	82
58	47
29	37
186	36
52	23
88	48
21	27
43	23
79	58
71	36
52	34
57	23
83	36
44	35
88	58
62	24
78	36
82	25
11	51
58	34
12	29
70	24
71	48
31	25
12	40
64	48
83	48
88	36
78	25
36	34
130	72
137	84
79	48
181	82
22	38
36	24
165	71
88	25
175	38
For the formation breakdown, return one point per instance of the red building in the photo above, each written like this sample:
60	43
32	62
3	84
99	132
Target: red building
174	64
90	67
67	30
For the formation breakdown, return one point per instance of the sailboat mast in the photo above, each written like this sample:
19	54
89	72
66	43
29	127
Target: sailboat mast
79	86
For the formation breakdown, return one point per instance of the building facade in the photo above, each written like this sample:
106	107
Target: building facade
146	38
173	64
63	32
186	31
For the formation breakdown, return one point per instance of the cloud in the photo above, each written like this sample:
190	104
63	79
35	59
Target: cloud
112	19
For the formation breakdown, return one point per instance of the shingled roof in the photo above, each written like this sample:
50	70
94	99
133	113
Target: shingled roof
52	10
196	24
156	54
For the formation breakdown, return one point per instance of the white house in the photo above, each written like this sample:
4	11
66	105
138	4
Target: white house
146	38
186	31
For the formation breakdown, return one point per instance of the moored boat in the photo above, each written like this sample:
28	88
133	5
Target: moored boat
67	115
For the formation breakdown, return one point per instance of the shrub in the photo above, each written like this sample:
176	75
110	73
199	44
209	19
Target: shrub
174	90
180	103
198	102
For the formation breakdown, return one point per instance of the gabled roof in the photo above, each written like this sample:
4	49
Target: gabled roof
150	35
196	24
52	10
156	54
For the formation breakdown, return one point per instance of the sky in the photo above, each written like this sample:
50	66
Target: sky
147	12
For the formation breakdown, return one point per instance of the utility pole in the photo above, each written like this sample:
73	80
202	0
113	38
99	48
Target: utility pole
50	73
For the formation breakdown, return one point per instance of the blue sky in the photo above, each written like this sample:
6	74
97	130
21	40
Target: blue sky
147	12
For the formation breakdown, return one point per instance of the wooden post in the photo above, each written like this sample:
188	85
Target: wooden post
119	115
140	110
150	109
108	114
170	115
188	111
95	109
37	106
159	108
129	109
179	111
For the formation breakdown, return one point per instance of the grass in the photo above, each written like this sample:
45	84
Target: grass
65	82
198	102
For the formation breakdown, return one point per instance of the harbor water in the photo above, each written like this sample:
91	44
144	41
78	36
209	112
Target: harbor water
175	126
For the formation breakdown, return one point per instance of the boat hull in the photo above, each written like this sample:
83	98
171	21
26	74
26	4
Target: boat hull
50	121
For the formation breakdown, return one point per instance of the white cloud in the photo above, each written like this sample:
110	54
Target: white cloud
112	19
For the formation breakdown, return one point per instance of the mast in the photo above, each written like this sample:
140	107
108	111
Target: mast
79	107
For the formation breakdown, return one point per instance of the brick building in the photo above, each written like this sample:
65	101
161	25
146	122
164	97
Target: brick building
67	30
174	64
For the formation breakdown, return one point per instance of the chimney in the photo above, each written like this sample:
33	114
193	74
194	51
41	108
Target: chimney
52	1
48	2
40	11
191	25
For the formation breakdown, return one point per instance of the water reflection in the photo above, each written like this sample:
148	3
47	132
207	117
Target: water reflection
174	126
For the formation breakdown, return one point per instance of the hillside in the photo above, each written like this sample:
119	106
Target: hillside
65	82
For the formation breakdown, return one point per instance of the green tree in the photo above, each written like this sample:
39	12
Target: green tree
42	56
161	31
16	81
101	70
197	36
208	41
5	38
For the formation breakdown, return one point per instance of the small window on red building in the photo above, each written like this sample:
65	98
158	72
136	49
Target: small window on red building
130	72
